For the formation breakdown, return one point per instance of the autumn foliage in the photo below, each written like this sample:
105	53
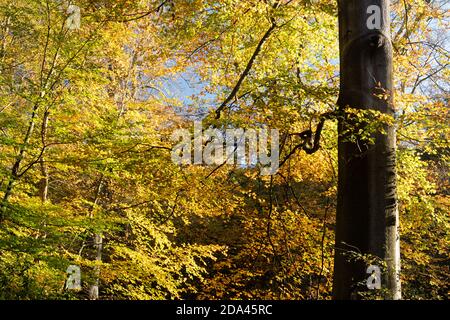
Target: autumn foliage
86	118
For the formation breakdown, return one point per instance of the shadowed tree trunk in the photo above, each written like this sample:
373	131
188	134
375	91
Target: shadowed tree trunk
367	213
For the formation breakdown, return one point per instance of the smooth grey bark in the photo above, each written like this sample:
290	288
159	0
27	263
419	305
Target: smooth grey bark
367	213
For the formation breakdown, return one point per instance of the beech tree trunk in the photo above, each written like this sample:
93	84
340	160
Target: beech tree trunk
367	213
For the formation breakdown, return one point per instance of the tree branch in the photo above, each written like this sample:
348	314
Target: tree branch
246	71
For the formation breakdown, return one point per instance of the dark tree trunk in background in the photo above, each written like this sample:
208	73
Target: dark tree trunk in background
367	213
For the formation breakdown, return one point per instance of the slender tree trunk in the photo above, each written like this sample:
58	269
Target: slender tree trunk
94	290
43	184
367	213
6	24
16	166
98	244
5	200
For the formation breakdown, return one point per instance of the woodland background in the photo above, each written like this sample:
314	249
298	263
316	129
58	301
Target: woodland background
86	117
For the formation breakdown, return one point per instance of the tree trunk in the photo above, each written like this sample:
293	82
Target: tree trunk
94	291
98	244
367	213
43	183
16	166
